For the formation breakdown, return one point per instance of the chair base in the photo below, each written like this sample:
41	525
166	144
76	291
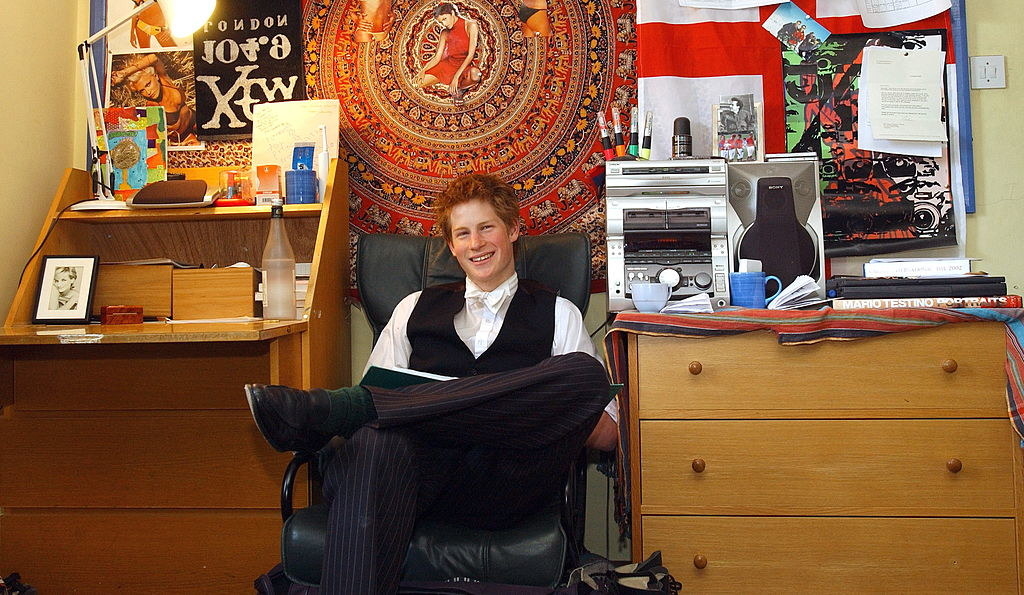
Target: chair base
532	553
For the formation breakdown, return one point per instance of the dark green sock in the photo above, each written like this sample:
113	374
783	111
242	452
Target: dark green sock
351	407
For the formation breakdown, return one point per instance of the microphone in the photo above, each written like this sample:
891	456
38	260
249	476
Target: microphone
682	142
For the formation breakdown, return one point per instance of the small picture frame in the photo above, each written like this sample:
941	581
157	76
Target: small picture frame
66	288
738	129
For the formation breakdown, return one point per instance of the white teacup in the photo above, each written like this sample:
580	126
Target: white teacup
650	297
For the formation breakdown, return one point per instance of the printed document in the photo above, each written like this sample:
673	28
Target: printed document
866	138
905	93
889	13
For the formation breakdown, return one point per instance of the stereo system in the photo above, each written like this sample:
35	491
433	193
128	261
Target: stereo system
688	222
667	223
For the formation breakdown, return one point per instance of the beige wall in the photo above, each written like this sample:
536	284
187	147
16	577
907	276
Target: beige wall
993	234
37	56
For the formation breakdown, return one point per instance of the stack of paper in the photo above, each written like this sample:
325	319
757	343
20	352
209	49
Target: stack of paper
691	305
802	292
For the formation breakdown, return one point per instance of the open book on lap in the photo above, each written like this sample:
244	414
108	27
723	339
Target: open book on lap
387	377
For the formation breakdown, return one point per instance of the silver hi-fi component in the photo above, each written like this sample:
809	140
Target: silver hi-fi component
666	222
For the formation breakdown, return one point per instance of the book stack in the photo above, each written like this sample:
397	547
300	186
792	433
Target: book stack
920	283
302	270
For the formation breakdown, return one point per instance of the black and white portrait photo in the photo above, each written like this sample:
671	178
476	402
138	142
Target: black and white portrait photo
66	286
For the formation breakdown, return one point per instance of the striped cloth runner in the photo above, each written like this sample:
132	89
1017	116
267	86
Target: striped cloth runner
797	327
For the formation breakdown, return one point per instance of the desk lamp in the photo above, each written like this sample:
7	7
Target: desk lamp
183	17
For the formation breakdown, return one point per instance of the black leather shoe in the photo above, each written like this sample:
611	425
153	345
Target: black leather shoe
288	417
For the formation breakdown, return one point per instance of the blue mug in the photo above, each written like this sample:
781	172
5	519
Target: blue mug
747	289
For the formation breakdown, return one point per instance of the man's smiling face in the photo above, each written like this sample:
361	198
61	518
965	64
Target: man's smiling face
482	244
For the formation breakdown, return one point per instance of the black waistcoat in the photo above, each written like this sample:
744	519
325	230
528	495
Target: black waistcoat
524	340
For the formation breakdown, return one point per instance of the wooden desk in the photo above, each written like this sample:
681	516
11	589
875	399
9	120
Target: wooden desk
827	467
129	461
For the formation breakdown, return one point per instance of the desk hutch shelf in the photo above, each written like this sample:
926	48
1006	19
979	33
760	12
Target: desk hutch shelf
130	461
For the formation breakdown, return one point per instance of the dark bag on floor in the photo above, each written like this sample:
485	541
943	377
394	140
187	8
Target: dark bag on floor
647	577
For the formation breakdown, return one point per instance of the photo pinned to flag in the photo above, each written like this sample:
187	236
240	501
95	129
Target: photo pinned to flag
739	129
796	29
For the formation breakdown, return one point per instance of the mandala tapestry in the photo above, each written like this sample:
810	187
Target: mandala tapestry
432	90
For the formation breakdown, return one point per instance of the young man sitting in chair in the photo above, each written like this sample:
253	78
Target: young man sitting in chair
485	449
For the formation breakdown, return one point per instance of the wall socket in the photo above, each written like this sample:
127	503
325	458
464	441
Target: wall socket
988	72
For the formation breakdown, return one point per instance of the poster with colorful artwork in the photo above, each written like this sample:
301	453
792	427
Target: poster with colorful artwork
872	202
165	79
137	141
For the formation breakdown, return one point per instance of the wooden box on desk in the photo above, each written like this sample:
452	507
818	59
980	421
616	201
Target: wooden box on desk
214	293
147	285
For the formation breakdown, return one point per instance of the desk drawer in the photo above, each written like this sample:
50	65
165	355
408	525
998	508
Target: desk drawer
828	467
825	555
751	374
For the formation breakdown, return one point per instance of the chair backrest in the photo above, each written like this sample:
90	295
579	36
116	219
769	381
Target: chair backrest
391	266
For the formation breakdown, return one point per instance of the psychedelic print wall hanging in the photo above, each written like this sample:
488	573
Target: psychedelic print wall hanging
433	90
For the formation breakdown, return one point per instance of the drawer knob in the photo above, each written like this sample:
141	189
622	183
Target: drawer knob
695	368
949	365
954	465
700	561
698	465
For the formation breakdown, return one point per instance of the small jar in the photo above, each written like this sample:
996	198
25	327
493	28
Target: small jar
235	189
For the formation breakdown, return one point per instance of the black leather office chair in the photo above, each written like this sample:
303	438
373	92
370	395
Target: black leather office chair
538	551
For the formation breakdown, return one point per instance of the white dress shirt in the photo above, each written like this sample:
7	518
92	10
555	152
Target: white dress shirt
478	325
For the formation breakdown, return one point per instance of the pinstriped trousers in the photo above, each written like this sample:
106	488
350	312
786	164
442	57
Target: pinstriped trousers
483	451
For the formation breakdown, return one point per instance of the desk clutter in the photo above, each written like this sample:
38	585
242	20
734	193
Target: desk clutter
158	291
716	234
698	225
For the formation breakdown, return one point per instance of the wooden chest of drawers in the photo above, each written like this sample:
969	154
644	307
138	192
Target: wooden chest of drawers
882	464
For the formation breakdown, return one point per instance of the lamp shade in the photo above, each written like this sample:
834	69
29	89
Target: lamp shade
185	16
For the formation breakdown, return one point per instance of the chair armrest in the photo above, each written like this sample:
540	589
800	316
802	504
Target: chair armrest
288	481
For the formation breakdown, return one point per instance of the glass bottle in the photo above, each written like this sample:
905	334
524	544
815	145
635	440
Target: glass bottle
278	270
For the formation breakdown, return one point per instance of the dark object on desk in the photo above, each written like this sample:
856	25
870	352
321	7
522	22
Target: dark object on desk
682	142
170	194
535	552
121	315
898	287
776	226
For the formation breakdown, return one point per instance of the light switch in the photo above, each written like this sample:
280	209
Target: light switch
988	72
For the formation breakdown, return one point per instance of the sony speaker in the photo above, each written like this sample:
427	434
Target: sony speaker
171	193
774	216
